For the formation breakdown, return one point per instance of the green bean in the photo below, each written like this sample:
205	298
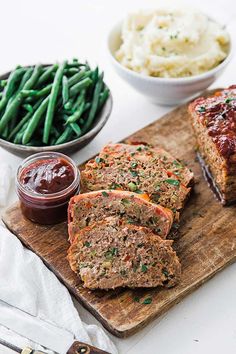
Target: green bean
24	79
71	71
37	93
3	83
19	135
28	107
16	102
94	105
65	136
74	90
23	121
75	65
78	100
65	90
5	132
68	105
34	121
46	75
95	75
77	114
102	98
34	77
29	93
53	140
52	101
76	129
13	78
55	132
77	77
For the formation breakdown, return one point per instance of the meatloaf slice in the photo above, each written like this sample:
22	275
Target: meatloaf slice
111	253
140	169
214	124
85	209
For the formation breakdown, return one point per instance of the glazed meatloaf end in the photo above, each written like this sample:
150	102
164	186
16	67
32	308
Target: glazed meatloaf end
136	168
85	209
214	124
111	253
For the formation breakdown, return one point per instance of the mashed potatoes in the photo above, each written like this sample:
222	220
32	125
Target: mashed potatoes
172	43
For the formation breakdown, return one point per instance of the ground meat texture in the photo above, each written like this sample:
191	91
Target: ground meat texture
140	169
214	124
85	209
111	253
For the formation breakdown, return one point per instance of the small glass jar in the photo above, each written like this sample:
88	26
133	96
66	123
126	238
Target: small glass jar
40	200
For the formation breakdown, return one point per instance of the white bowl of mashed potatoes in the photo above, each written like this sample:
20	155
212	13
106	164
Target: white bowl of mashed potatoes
169	55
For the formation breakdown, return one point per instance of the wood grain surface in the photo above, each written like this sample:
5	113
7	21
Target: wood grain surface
206	242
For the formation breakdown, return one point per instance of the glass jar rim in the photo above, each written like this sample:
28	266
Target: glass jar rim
44	156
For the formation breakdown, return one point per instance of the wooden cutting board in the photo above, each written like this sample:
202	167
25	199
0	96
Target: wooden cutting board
206	242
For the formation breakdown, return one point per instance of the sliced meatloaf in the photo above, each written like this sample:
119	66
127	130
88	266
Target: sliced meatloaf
85	209
140	169
214	124
111	253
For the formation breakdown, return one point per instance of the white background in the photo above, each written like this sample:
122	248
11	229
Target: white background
50	30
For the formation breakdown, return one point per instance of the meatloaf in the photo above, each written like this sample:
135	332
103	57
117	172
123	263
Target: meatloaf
140	169
214	123
85	209
112	253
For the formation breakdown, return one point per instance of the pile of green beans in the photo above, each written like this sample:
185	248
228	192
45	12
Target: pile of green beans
50	105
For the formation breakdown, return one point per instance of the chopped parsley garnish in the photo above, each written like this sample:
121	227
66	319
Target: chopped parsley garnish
177	163
99	159
125	201
134	173
139	148
87	244
108	255
114	251
202	109
105	194
155	197
173	182
229	99
138	191
132	186
122	272
115	185
157	187
136	299
134	164
144	268
111	253
147	301
130	221
165	272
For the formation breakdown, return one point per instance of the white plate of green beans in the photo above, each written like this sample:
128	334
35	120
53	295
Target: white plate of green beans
59	107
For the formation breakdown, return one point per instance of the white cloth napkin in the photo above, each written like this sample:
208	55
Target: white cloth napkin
5	182
27	284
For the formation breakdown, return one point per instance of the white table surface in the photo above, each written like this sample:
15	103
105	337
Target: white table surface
46	31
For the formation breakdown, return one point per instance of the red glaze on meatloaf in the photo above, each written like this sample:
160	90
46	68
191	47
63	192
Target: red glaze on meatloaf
214	124
85	209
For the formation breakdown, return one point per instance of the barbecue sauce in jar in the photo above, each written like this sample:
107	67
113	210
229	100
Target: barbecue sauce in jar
45	183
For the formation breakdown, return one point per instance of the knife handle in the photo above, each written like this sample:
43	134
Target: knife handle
82	348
